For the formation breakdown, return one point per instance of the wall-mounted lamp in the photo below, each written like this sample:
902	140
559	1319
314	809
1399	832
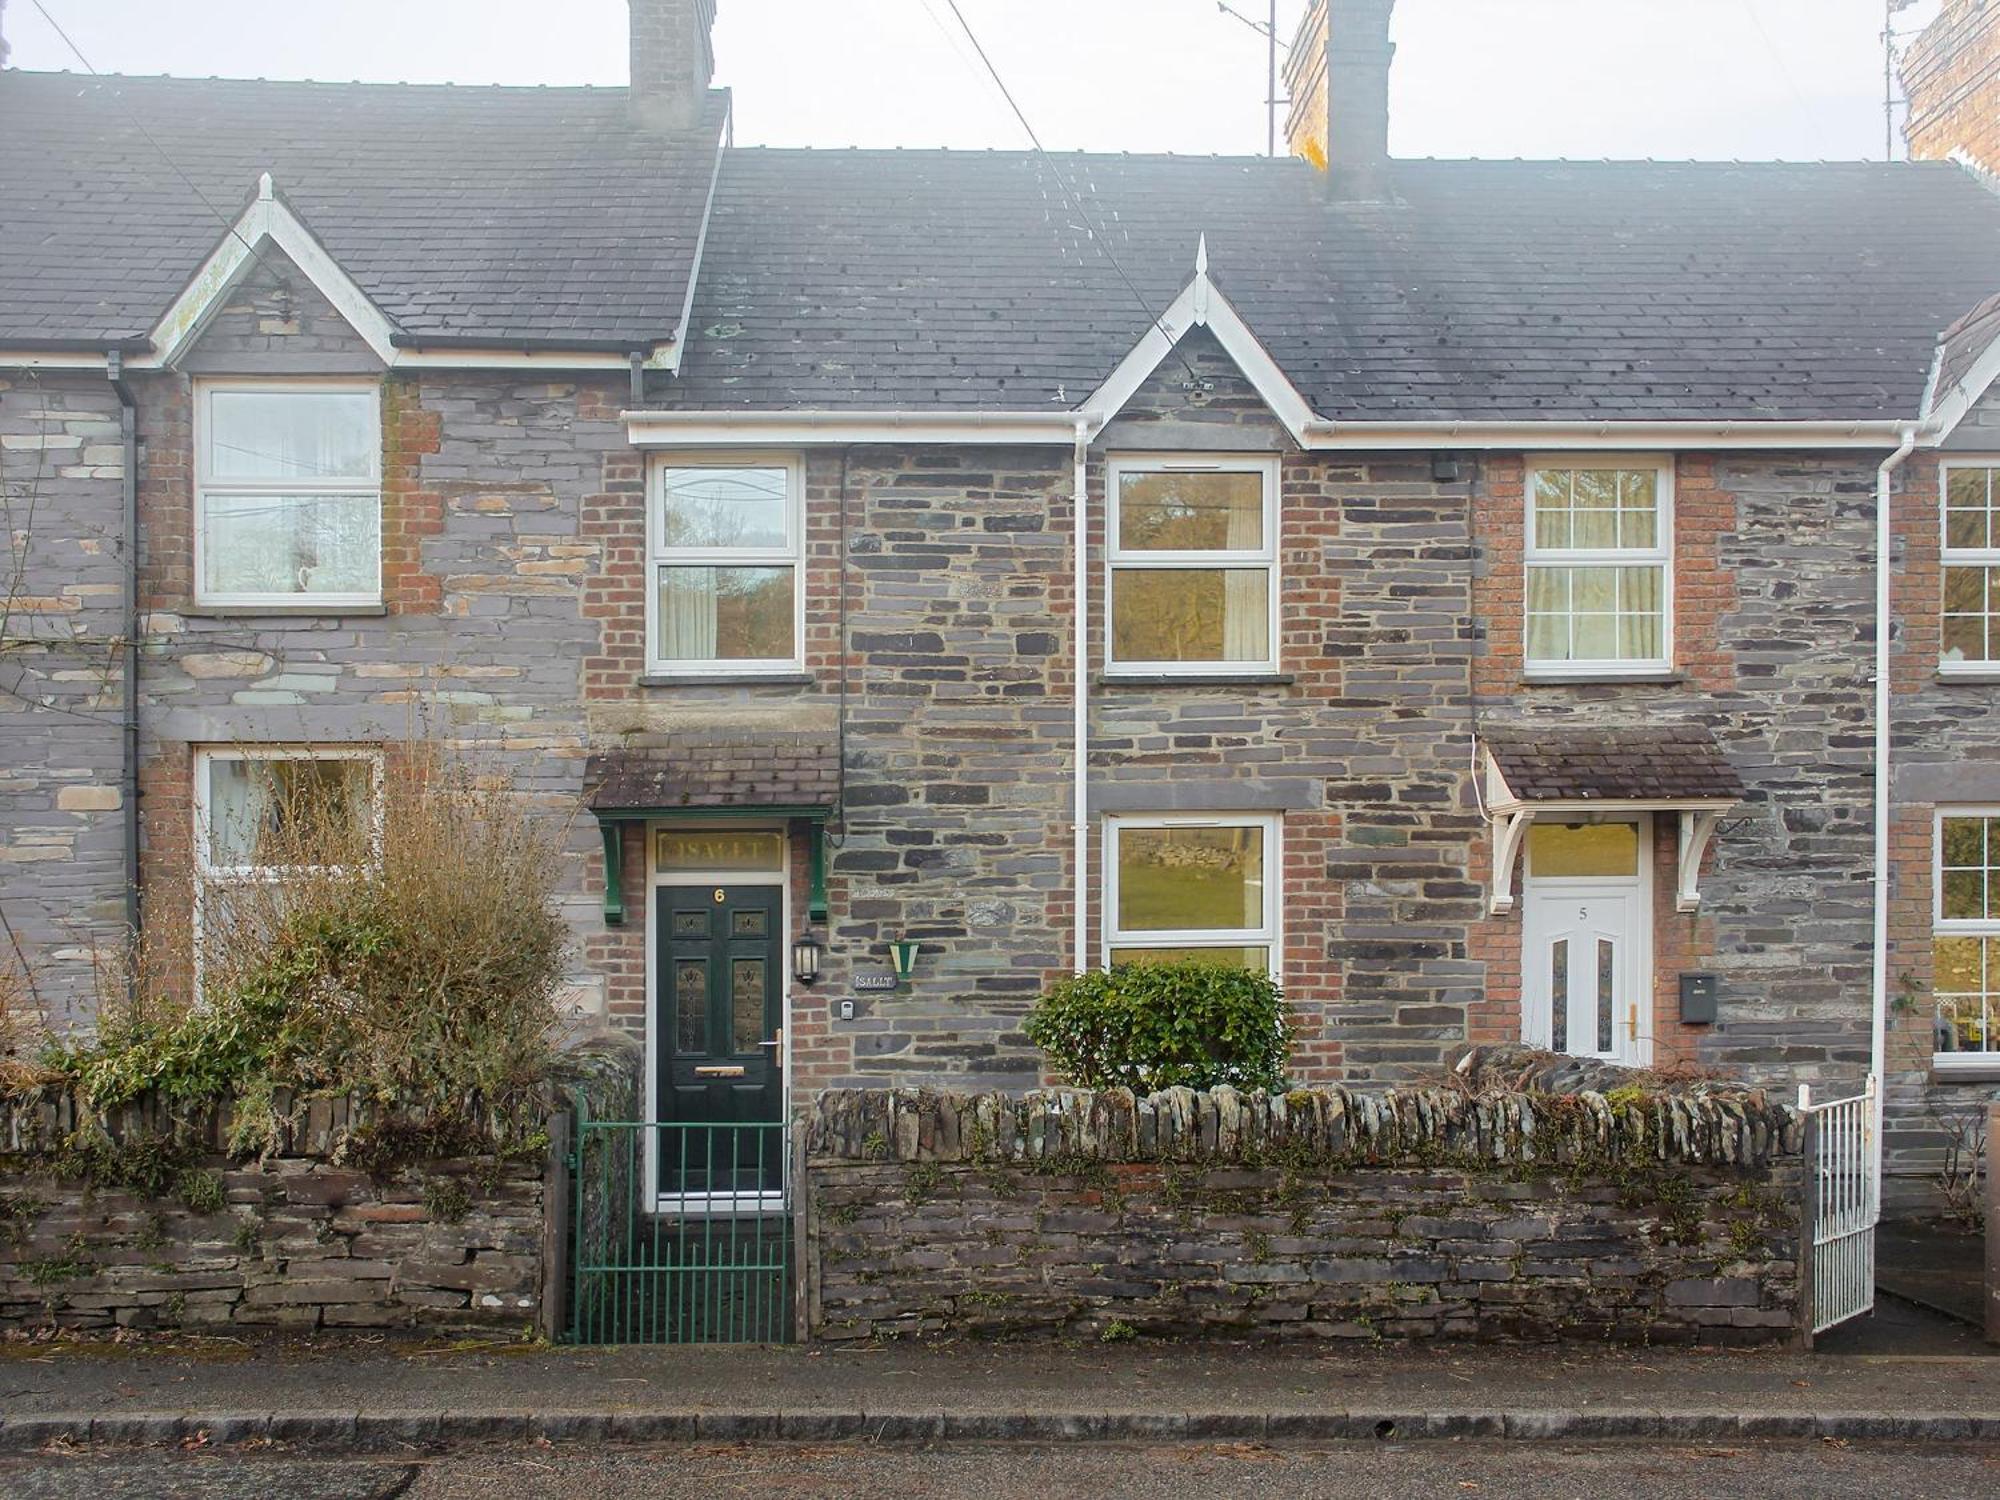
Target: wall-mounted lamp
903	957
806	955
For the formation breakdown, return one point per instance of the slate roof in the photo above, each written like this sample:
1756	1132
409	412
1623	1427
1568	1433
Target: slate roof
1498	291
1483	291
523	215
707	771
1680	762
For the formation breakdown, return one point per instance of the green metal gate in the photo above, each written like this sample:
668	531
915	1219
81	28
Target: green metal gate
680	1233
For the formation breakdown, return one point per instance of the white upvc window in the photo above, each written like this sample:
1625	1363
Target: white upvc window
726	554
246	798
288	494
1971	562
1192	573
243	797
1965	941
1193	886
1600	574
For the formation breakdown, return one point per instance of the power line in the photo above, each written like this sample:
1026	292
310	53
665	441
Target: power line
1075	201
140	125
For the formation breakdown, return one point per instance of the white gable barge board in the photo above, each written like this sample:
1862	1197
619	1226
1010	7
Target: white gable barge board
269	220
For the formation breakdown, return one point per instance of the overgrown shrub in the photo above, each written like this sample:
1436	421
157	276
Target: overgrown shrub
409	952
1148	1027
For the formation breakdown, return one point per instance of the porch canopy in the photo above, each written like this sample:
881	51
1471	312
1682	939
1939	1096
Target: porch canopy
1531	771
695	778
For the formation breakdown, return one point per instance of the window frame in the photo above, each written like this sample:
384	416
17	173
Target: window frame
205	484
1266	557
1961	557
659	557
207	757
1980	928
1270	936
1660	555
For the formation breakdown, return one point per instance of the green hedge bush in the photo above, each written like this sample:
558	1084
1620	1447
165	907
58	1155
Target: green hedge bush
1149	1027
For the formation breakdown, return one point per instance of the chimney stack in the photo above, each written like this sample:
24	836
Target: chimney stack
673	61
1339	79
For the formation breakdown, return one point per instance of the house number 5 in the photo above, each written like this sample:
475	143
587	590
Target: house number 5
1582	912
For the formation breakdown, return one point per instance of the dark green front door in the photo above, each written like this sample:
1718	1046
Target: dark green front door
720	999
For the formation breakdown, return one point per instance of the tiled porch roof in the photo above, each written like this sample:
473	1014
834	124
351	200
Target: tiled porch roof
1674	763
737	772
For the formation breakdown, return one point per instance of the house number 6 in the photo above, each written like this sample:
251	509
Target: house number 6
718	895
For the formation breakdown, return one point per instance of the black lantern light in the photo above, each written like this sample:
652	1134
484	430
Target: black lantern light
806	954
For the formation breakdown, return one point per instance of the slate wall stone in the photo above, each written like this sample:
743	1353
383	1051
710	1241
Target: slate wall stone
1314	1215
62	664
297	1239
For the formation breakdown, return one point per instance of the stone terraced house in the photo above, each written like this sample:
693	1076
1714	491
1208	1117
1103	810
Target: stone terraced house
1449	584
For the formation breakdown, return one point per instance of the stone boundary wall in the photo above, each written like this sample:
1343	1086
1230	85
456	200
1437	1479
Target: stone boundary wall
1316	1214
142	1219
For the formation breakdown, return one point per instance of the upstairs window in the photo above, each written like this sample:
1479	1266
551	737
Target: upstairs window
1965	945
1199	886
1971	568
288	495
1599	567
1193	566
726	562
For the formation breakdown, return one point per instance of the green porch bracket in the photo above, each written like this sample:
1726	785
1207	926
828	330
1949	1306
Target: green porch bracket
614	871
611	825
816	908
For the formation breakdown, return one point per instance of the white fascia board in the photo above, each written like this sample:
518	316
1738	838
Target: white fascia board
1202	305
1946	409
268	218
1551	808
767	429
1607	437
660	357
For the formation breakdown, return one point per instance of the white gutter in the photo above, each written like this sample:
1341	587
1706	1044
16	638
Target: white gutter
723	429
1878	1040
1608	436
1080	813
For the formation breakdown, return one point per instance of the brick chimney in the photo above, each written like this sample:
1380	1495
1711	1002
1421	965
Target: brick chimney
673	61
1951	74
1339	78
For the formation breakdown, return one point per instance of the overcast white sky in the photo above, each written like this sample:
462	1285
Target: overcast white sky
1796	79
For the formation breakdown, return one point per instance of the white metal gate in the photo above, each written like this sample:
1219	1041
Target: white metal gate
1843	1202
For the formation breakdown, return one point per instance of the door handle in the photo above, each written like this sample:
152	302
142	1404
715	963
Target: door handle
1632	1022
776	1041
719	1070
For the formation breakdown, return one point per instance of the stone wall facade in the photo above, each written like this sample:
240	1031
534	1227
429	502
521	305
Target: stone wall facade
62	665
1315	1215
295	1240
940	630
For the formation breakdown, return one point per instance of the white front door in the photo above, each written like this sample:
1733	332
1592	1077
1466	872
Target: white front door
1586	970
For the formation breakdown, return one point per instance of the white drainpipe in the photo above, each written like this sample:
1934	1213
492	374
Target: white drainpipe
1878	1049
1080	813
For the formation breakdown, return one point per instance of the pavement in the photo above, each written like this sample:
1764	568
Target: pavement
1812	1470
374	1393
1935	1264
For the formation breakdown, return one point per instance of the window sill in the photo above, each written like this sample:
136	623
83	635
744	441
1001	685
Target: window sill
1612	679
1192	679
1965	1067
1979	676
727	679
283	611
